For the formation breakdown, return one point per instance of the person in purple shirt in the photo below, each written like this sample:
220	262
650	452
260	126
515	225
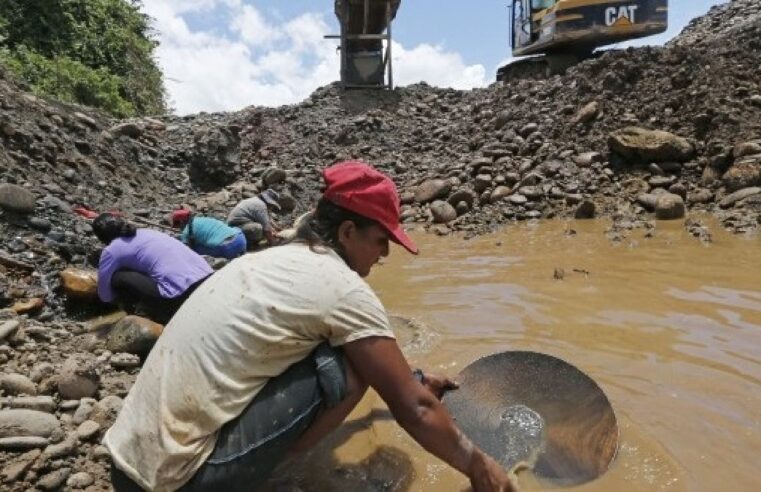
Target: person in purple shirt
144	269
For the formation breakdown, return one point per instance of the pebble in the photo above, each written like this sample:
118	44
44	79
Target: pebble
80	480
88	429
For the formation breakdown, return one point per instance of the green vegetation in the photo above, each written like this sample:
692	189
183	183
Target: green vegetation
94	52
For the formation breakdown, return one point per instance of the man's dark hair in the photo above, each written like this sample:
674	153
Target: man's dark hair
321	229
108	227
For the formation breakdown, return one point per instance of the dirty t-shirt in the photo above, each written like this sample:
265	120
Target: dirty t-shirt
250	210
249	322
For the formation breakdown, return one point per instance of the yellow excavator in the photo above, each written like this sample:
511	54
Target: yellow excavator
564	32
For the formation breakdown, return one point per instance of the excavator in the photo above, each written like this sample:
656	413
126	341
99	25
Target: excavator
548	35
560	33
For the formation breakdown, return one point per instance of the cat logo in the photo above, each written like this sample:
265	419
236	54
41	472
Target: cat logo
620	15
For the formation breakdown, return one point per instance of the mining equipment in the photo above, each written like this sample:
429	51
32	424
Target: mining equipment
552	35
366	42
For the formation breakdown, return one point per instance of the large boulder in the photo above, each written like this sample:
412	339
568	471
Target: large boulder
14	198
133	335
79	283
642	145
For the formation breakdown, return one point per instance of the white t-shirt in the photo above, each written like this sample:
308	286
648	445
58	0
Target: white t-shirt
247	323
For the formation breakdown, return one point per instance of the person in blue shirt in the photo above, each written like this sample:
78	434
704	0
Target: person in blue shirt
209	236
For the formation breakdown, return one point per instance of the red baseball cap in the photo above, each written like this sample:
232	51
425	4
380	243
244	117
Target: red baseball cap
179	216
357	186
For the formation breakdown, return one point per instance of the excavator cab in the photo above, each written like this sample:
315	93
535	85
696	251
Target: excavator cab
566	31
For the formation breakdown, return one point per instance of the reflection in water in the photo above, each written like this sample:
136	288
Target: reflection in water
669	327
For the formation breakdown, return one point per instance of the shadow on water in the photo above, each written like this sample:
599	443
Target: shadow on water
386	469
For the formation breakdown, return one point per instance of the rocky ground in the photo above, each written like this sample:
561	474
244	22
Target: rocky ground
635	136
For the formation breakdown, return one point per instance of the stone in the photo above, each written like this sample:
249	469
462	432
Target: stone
586	159
128	129
586	114
80	480
80	283
78	377
41	371
22	443
54	480
647	201
585	210
528	129
639	144
517	199
40	403
124	361
67	447
499	193
133	335
739	195
8	328
431	190
443	212
28	305
463	195
21	423
669	207
701	195
84	410
481	182
85	119
746	149
87	429
273	176
742	175
106	410
14	198
17	384
15	470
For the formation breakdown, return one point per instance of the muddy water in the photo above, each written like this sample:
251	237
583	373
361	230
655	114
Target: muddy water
669	327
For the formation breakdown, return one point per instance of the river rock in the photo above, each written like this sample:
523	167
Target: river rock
67	447
106	410
463	195
273	176
701	195
80	480
17	384
40	403
54	480
17	199
133	335
79	283
18	467
586	210
22	443
669	207
87	429
586	159
743	175
8	328
28	305
639	144
21	423
586	114
128	129
443	212
739	195
431	190
746	149
124	360
499	193
78	377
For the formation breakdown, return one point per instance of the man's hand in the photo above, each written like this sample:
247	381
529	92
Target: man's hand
438	384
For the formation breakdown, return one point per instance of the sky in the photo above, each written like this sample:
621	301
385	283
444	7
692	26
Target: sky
224	55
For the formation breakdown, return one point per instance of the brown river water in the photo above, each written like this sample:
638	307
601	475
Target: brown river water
669	327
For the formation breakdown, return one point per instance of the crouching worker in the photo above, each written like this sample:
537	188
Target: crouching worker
209	236
149	272
274	351
253	216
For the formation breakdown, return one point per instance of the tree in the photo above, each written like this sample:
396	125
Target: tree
97	52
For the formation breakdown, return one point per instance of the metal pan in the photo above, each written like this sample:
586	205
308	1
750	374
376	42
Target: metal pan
537	409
